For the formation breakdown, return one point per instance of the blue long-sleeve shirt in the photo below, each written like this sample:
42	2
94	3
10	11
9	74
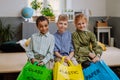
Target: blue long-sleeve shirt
63	43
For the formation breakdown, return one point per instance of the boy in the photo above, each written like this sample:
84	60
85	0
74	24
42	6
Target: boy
63	42
41	45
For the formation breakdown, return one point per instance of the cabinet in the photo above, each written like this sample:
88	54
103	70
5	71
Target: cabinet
103	30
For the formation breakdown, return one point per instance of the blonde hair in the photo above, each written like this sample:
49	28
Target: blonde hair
80	16
62	17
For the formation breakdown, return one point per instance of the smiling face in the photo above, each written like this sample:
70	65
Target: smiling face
80	22
43	26
62	26
62	23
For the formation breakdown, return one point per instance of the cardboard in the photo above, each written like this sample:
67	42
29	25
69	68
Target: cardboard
102	24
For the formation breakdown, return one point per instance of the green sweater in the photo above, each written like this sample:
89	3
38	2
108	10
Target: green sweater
82	41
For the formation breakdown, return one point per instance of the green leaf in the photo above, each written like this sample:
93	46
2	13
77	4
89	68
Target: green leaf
6	33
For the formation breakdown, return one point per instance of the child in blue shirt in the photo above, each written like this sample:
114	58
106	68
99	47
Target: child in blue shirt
63	41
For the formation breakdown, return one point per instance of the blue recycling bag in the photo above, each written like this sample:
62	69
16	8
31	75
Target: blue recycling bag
99	71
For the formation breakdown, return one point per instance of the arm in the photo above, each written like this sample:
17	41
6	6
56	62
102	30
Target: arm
56	51
96	48
76	44
58	54
50	51
29	51
67	58
71	53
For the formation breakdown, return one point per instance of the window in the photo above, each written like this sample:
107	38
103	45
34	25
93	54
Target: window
58	6
36	12
55	5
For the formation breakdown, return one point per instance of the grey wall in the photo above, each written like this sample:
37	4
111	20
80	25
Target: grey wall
29	28
115	31
16	25
12	8
92	22
97	7
113	8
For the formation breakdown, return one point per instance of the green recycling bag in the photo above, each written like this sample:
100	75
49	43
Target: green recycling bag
33	72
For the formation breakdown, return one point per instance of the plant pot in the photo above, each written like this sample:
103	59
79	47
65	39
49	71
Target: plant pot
34	18
51	18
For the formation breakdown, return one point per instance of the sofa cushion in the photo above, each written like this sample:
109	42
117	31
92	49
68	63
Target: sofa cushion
11	46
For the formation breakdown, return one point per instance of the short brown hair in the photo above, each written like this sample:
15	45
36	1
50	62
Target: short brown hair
41	18
63	17
80	16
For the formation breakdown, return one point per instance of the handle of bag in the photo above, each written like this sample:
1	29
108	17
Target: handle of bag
36	64
69	62
62	60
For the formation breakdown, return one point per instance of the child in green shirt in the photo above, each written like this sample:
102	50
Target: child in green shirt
82	39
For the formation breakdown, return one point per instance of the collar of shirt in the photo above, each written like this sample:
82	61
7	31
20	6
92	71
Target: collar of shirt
61	33
81	30
46	35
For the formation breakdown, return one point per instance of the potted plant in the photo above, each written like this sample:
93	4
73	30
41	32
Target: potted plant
48	12
36	6
6	34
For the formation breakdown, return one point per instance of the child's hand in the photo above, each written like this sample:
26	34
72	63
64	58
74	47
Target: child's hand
95	59
92	55
40	63
33	60
67	58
